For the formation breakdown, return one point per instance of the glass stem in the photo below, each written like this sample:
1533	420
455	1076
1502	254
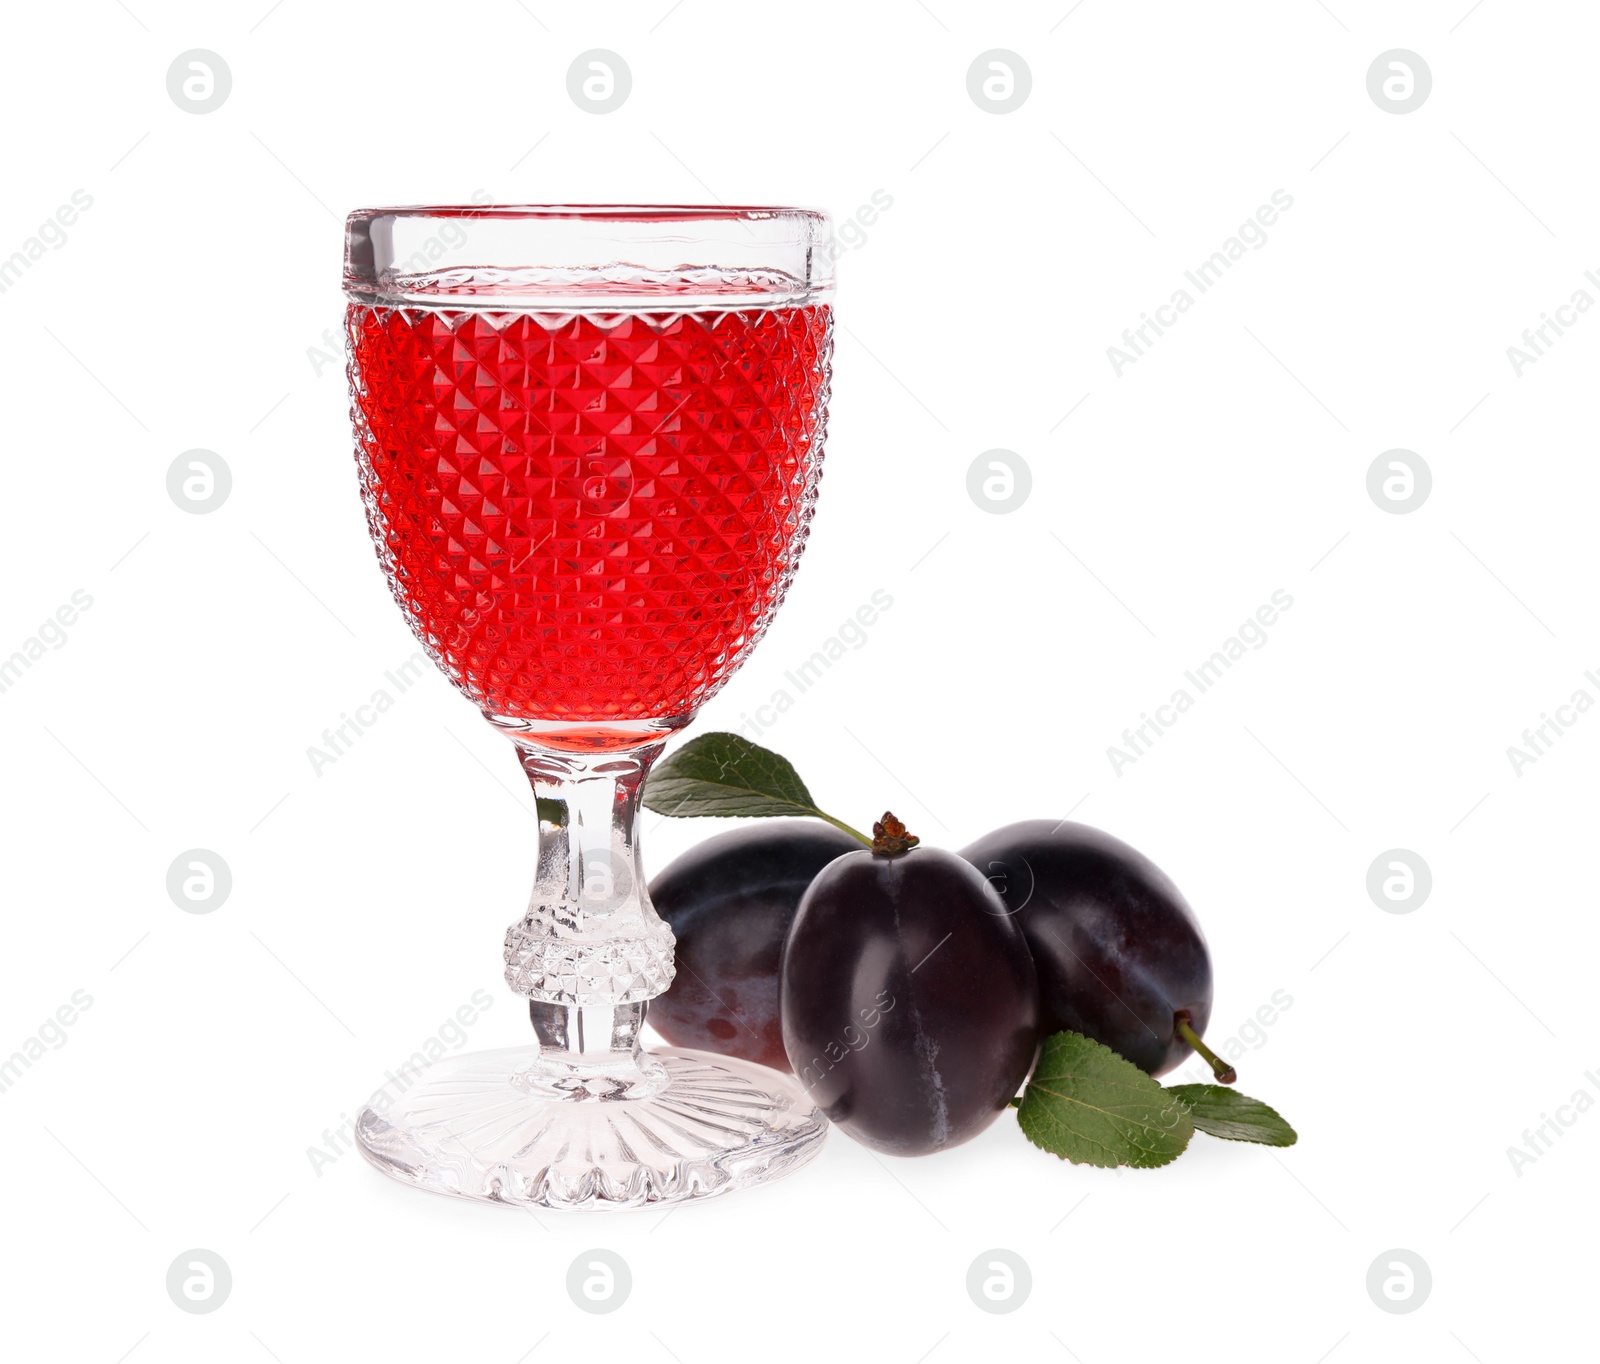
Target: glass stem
591	1040
590	939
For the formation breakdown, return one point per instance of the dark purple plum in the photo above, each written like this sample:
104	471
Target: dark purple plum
1119	953
908	998
730	901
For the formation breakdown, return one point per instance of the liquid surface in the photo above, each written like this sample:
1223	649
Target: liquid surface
590	516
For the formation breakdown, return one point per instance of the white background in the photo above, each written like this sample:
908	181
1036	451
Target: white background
369	901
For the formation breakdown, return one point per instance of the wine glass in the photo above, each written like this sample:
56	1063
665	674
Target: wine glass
589	439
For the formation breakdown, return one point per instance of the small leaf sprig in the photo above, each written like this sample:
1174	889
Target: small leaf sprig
726	776
1086	1104
1089	1106
1233	1116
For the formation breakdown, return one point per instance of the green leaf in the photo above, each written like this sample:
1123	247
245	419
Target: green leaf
724	775
1234	1116
1088	1105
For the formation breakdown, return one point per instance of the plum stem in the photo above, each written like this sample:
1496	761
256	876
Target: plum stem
890	837
1182	1021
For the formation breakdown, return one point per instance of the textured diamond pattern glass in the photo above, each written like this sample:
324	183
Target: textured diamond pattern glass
589	517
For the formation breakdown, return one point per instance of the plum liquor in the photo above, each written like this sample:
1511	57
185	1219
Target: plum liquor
589	517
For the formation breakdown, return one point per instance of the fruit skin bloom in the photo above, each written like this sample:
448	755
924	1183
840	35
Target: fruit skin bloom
1119	952
908	998
729	902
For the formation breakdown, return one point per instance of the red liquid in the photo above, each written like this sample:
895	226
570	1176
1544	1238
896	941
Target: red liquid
587	522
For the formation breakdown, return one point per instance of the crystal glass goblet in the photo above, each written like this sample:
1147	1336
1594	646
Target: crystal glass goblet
589	439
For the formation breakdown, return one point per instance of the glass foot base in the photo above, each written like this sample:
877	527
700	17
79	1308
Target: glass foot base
506	1127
